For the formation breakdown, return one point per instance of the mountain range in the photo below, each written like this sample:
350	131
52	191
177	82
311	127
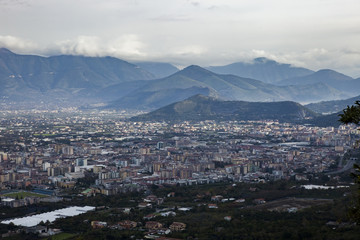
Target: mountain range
160	92
329	77
66	71
114	83
27	77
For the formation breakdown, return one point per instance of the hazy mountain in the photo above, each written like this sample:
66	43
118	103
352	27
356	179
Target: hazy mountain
324	75
117	91
24	75
329	77
150	100
332	106
227	87
207	108
76	80
263	69
158	69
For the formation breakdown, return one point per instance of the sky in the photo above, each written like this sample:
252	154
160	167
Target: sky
315	34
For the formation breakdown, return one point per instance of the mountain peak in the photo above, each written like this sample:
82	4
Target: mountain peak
5	51
332	74
195	69
263	60
326	71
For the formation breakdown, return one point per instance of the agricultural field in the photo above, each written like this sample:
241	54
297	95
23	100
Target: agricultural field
23	194
62	236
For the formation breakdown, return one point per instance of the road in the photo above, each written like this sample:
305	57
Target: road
345	168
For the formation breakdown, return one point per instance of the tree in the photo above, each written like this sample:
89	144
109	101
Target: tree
11	226
352	115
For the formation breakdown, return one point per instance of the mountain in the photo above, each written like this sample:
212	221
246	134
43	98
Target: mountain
158	69
324	75
150	100
329	77
200	107
331	120
78	80
332	106
30	77
263	69
117	91
227	87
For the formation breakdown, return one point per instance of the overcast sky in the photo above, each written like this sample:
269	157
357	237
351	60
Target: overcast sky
311	33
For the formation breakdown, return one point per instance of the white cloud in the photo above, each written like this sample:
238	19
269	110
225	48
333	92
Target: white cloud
171	18
126	46
192	50
17	44
83	45
13	2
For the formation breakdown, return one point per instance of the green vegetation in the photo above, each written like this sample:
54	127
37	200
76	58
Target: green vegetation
23	194
44	135
352	115
322	214
201	107
62	236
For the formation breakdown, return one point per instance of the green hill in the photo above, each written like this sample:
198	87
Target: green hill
200	107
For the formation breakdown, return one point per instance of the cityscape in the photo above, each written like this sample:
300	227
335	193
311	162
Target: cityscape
53	150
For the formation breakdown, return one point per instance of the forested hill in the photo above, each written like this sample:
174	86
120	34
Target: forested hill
200	107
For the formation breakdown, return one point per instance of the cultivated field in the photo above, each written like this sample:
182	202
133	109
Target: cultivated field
23	194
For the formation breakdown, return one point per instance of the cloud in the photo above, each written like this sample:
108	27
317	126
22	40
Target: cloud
83	45
126	46
194	3
344	60
191	50
17	44
171	18
13	2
